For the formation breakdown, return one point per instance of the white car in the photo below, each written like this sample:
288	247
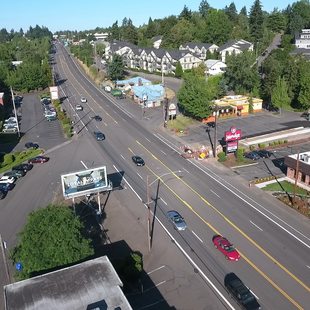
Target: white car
78	107
7	179
83	100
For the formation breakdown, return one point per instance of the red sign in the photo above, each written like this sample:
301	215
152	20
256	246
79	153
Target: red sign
233	135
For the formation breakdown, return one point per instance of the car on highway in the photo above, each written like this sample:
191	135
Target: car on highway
224	246
6	186
78	107
2	193
31	145
240	292
264	153
97	118
252	155
99	135
38	160
15	173
177	220
138	160
23	167
83	100
7	179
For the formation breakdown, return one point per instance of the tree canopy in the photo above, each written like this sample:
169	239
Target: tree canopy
51	238
116	68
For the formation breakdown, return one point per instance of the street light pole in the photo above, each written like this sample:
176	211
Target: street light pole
215	132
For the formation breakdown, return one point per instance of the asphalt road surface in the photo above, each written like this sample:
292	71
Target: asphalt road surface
273	241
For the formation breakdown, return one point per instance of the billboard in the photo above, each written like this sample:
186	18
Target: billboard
84	182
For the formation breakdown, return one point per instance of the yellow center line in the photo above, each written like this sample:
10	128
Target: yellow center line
238	229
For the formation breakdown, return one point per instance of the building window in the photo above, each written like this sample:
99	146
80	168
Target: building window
303	178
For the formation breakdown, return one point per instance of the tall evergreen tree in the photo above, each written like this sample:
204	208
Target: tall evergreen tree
244	11
186	13
231	12
279	95
304	93
256	20
204	7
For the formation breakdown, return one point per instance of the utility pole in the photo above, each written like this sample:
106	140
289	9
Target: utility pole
215	132
296	178
149	212
13	100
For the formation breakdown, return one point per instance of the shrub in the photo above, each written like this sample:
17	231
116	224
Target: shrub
261	145
252	147
8	159
285	141
222	157
239	154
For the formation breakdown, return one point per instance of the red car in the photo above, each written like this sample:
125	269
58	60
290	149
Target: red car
38	160
226	248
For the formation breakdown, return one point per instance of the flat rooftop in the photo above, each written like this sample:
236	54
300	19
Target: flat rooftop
93	284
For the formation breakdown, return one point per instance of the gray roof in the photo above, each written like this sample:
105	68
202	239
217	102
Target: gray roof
156	38
117	45
192	45
159	52
93	284
239	44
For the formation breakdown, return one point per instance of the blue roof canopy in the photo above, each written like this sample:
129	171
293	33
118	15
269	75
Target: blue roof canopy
153	92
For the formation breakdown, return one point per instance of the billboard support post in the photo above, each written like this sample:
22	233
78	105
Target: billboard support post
99	203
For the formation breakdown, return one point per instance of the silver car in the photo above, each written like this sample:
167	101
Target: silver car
177	220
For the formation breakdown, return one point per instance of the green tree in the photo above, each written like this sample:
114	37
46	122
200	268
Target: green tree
193	96
178	70
279	96
116	68
204	7
186	13
276	21
256	20
51	238
304	92
114	32
231	12
299	16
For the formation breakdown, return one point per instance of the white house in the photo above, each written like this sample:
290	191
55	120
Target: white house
101	36
302	40
157	41
215	67
199	48
234	46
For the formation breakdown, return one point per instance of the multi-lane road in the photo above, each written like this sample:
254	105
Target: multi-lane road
274	242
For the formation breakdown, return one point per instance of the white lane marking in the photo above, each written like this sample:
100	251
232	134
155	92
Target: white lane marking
156	269
128	184
148	139
161	138
163	152
83	164
122	156
185	170
164	201
220	181
139	175
308	266
254	294
183	251
214	193
197	236
256	226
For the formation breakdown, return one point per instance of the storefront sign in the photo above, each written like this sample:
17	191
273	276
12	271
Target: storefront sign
233	135
231	147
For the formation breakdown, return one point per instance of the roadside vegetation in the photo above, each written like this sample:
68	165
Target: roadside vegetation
285	187
15	158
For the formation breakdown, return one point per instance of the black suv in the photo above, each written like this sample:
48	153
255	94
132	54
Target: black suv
23	167
240	292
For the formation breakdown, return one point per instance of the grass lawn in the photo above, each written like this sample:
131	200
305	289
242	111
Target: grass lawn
180	123
285	186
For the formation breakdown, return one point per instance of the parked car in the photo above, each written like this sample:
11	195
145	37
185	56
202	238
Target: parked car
240	292
6	186
99	135
83	100
264	153
15	173
50	118
138	160
97	118
23	167
79	107
2	193
224	246
177	220
7	179
38	160
31	145
252	155
10	130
